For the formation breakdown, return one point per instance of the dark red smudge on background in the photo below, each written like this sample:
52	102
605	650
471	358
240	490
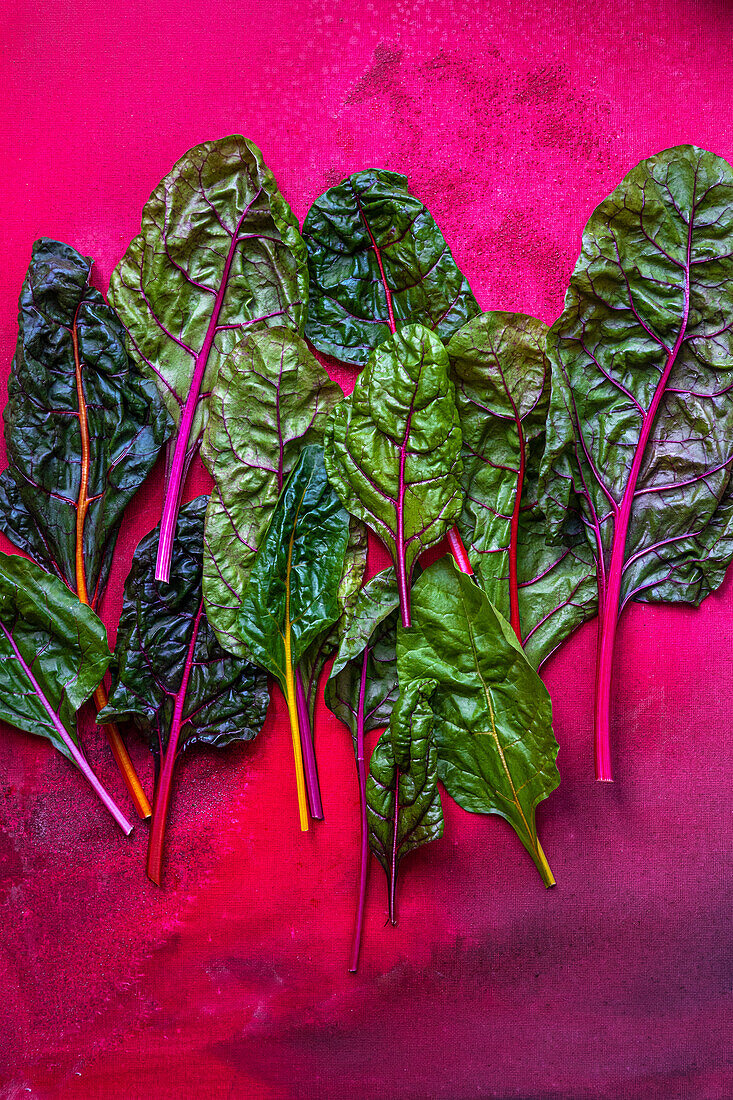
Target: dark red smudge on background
511	123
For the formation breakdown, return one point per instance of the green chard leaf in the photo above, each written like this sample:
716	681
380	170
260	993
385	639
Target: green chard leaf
640	427
502	378
493	716
270	398
83	427
393	449
404	809
219	252
378	260
53	653
173	679
292	598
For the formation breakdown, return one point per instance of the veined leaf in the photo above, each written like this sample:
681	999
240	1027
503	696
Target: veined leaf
493	716
271	397
292	595
402	789
393	449
83	429
378	260
640	428
53	653
173	680
219	252
502	380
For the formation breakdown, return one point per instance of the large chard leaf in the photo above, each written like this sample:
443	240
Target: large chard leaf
219	252
640	427
393	449
173	679
377	260
402	789
53	653
493	716
292	598
502	380
270	398
83	427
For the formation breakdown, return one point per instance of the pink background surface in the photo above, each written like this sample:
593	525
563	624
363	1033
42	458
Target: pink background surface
512	122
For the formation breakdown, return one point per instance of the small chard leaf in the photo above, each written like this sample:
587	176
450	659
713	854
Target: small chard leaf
53	653
393	449
173	679
493	716
83	428
270	398
502	393
404	809
219	252
640	427
292	596
378	260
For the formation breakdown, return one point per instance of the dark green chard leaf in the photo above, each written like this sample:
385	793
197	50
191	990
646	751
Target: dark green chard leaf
361	691
378	260
502	380
292	596
53	654
219	252
640	428
173	679
271	397
83	429
493	716
393	449
402	789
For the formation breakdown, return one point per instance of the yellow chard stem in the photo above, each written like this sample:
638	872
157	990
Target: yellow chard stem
295	731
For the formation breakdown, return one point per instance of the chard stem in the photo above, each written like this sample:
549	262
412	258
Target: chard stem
361	773
295	734
307	745
458	550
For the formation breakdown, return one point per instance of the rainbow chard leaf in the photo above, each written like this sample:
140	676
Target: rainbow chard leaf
377	260
292	598
83	429
53	654
271	397
361	691
493	716
173	679
219	252
402	789
393	449
502	378
640	428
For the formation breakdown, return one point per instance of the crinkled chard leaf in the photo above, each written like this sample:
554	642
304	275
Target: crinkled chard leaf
53	653
219	252
378	260
493	716
393	449
640	427
502	378
292	598
271	397
173	679
402	789
83	427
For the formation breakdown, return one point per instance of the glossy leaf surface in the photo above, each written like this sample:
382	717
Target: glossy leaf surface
219	251
493	716
502	378
83	427
640	428
270	399
404	809
377	261
393	448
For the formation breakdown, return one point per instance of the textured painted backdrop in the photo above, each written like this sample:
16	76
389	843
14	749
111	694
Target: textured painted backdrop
512	121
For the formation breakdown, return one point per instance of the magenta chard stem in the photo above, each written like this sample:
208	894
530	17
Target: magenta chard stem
361	773
310	766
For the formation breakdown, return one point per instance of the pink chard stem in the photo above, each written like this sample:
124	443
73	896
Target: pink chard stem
310	767
361	773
